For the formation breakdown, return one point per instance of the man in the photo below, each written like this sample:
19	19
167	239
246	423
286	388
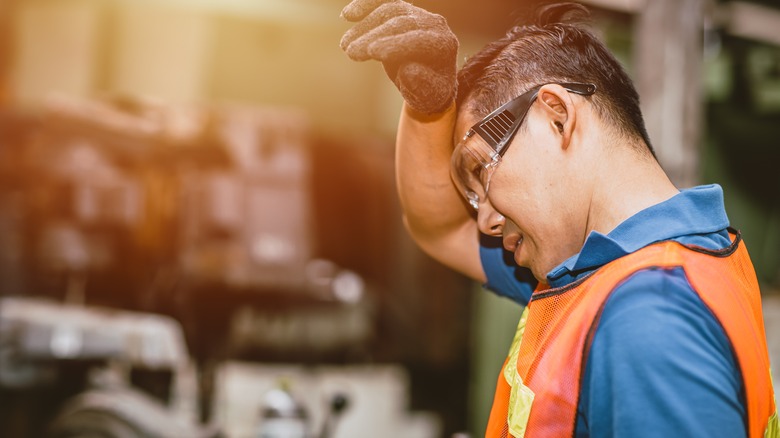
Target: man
643	315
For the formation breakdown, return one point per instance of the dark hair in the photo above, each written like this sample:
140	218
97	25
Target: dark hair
555	48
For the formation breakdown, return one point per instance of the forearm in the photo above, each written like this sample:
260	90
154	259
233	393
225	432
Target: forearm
436	216
429	200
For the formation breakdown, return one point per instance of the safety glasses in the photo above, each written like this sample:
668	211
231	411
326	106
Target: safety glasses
477	155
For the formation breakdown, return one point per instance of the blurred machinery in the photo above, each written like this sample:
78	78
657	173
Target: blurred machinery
142	247
40	339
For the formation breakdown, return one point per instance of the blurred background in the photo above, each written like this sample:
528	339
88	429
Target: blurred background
199	232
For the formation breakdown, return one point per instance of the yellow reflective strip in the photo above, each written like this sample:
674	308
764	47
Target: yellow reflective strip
520	396
772	427
520	400
514	349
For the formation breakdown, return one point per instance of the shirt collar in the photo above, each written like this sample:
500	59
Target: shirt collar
695	211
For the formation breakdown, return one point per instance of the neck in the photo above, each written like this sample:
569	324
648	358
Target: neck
628	183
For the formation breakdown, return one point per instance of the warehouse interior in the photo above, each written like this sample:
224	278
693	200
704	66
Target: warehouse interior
198	211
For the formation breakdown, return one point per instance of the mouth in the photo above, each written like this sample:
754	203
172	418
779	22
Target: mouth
513	242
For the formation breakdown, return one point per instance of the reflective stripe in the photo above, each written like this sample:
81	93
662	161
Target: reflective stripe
772	428
510	367
520	396
520	400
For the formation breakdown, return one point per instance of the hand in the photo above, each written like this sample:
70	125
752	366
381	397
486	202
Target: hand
416	47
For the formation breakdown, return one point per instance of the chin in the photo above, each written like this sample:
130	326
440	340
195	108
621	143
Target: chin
539	270
540	277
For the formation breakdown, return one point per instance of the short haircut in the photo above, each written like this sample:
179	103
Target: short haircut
555	48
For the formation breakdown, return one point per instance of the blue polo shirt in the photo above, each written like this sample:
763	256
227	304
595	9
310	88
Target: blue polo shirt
660	363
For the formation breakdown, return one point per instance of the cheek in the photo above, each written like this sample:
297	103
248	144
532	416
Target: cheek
516	194
524	187
525	192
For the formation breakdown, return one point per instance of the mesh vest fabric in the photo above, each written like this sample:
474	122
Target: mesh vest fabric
560	325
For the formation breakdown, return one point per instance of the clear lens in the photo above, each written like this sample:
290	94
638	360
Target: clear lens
472	163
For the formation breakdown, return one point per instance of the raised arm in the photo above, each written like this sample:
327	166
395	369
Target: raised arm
419	54
434	213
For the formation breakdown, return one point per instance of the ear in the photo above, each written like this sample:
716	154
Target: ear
558	106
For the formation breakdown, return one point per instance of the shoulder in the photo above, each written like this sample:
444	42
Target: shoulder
659	301
657	349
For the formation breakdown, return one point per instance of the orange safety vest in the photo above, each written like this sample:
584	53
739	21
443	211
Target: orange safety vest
538	389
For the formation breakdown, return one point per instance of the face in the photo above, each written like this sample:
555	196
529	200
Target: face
531	203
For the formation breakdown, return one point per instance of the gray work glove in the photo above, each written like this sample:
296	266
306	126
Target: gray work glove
416	47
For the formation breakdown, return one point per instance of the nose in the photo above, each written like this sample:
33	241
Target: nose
489	221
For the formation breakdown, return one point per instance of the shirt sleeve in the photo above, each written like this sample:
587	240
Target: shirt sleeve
504	276
660	365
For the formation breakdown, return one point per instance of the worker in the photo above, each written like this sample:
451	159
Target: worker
530	170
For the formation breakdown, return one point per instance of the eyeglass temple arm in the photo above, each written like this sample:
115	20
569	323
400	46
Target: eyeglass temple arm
579	88
574	87
583	89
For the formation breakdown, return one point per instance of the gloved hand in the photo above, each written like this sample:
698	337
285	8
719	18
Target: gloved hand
416	47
